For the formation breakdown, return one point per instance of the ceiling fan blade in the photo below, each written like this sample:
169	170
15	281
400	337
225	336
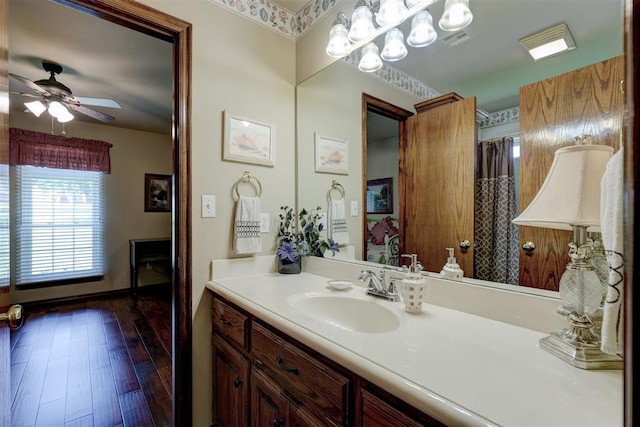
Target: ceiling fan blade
29	84
91	113
98	102
28	95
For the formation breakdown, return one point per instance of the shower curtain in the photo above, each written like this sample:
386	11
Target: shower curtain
496	238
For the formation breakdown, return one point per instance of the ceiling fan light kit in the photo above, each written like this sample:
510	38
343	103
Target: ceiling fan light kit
58	99
347	36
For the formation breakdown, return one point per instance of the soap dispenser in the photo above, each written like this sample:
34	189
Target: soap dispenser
451	269
413	286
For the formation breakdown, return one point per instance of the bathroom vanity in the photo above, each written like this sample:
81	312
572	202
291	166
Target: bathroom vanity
289	350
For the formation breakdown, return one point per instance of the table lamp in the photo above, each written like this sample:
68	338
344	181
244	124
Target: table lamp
569	199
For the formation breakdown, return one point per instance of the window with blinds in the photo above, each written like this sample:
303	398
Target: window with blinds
58	225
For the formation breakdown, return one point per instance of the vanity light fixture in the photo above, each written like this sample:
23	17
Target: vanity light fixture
347	36
549	42
569	199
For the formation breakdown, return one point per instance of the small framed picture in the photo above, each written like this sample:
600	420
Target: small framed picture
157	193
332	155
380	196
248	141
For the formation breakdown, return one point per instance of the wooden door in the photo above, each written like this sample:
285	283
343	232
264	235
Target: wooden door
269	406
553	112
440	182
5	385
230	385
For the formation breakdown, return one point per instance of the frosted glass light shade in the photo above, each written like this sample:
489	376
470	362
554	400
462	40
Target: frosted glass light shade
394	48
570	194
422	31
361	24
370	60
456	16
338	41
391	12
60	112
36	107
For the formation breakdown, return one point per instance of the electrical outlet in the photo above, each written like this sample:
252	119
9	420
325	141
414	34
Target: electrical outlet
322	219
264	222
208	206
354	208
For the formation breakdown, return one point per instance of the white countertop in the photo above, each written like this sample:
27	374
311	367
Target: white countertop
460	368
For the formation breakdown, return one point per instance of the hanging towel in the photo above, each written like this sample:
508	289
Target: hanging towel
246	230
611	226
338	222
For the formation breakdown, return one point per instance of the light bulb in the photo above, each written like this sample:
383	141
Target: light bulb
422	31
370	60
338	42
392	12
361	24
394	48
456	16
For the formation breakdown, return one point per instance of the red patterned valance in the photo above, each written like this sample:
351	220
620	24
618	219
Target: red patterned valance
51	151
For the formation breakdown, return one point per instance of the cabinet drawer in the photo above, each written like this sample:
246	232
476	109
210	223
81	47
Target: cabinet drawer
308	380
229	322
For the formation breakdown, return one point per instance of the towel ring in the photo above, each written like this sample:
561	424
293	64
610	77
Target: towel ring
335	185
246	179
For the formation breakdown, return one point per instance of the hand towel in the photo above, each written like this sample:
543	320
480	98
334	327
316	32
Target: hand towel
246	230
611	226
338	230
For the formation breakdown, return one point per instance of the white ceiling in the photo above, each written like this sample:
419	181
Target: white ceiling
102	59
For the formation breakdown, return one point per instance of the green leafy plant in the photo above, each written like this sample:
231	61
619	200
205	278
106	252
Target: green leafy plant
305	239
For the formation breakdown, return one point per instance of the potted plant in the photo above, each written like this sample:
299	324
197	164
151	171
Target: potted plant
295	243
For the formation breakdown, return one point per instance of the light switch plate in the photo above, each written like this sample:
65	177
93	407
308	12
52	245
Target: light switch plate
208	206
354	208
264	222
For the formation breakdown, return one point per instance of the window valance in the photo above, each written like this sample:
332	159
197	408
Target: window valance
52	151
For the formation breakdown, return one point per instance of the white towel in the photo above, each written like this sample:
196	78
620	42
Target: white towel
338	230
611	226
246	229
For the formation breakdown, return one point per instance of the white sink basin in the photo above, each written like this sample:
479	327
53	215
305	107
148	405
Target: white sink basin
350	313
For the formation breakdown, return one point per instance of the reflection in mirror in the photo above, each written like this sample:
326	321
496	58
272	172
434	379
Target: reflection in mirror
330	102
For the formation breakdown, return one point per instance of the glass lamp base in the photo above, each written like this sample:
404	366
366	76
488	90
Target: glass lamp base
578	355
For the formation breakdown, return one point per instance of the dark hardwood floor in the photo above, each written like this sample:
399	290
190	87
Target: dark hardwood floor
98	362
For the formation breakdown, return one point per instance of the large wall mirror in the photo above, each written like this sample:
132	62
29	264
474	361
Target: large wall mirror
330	103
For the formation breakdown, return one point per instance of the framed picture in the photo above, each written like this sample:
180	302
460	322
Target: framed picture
248	141
380	196
157	193
332	155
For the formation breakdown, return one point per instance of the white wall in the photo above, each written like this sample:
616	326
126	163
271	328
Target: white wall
133	154
247	69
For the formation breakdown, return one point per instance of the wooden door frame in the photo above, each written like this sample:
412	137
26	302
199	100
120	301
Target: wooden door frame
384	108
157	24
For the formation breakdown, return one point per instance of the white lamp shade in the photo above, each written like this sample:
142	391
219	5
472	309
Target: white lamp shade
456	16
392	12
394	48
570	194
361	24
422	31
338	41
36	107
370	60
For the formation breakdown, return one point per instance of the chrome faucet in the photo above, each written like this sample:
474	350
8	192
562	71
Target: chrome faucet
377	285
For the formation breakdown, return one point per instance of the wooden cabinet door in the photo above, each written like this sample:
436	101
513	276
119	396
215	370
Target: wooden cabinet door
269	406
377	413
440	184
299	416
552	113
230	385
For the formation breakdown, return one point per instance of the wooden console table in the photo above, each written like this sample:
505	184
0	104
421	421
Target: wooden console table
142	251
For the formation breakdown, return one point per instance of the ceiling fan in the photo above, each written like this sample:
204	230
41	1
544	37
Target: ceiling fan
56	97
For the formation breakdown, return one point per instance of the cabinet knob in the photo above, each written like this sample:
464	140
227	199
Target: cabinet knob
278	422
528	247
464	245
237	382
